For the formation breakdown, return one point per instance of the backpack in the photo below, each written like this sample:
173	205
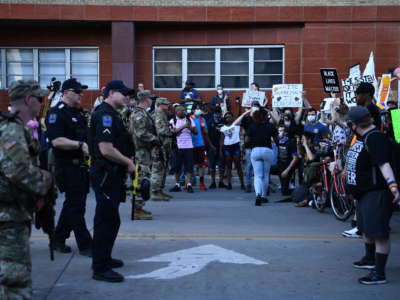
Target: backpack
394	159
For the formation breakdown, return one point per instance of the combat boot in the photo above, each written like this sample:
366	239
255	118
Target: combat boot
141	214
167	195
158	196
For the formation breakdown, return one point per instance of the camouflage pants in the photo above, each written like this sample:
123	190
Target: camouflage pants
15	262
158	175
143	159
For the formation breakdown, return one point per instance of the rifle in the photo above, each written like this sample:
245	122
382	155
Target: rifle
44	217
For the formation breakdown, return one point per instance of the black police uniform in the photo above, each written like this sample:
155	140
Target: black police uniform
71	174
108	181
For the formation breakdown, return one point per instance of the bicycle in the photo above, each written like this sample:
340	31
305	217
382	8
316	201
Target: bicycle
342	205
320	190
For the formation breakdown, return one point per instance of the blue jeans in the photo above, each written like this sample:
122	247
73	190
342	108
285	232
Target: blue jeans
261	159
247	168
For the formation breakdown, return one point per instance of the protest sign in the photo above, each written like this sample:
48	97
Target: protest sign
354	71
251	96
384	90
287	95
330	80
369	72
396	123
326	104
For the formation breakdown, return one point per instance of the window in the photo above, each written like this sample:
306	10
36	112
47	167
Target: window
235	67
42	64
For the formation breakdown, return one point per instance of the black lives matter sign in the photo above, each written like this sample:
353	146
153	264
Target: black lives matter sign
330	81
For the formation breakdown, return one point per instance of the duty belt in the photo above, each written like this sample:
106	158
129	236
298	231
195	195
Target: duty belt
72	161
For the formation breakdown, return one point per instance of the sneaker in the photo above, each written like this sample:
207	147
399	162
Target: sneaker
222	185
352	233
229	186
373	278
62	248
248	188
363	263
203	187
212	186
189	189
176	188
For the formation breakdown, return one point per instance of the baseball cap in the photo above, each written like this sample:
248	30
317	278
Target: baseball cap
162	101
72	84
188	82
117	85
358	114
22	88
144	95
365	88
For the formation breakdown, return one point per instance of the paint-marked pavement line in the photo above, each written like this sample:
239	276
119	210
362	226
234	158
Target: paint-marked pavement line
127	236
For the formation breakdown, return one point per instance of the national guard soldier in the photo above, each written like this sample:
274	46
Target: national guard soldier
165	134
109	148
67	132
147	146
22	183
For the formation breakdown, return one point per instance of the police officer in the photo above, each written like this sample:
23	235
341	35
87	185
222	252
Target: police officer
165	134
22	183
67	132
147	146
109	147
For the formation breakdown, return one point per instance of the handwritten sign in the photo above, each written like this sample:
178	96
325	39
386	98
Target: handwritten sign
251	96
384	90
349	88
330	80
355	71
396	123
287	95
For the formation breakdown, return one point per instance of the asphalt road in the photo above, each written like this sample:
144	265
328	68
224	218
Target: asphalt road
218	245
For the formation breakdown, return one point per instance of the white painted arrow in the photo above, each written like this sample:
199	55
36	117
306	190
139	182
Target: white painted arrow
189	261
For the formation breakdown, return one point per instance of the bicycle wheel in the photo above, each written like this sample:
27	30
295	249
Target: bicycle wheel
319	198
342	206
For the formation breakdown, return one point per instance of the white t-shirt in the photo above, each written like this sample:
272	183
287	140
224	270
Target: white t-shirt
232	134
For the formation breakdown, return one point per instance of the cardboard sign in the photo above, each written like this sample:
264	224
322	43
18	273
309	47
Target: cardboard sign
251	96
330	81
384	90
396	123
287	95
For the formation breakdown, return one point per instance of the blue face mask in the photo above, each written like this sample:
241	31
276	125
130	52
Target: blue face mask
280	134
255	108
197	112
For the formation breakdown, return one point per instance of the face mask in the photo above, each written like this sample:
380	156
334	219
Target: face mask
311	118
197	112
255	108
280	134
287	124
148	109
188	112
219	92
9	108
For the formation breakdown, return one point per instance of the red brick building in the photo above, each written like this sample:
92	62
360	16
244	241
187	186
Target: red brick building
164	43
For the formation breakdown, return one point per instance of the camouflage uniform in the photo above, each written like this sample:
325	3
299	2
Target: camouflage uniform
21	183
147	145
165	134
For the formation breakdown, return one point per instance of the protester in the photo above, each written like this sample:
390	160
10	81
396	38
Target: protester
221	99
260	134
313	125
230	147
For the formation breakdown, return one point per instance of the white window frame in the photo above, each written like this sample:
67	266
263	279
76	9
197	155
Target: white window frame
3	62
218	64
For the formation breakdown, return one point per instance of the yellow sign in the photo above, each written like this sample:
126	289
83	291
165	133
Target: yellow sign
384	89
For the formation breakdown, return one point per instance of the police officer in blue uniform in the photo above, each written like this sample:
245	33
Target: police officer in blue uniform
111	149
67	132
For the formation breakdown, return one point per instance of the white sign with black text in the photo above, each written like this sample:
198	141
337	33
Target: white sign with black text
287	95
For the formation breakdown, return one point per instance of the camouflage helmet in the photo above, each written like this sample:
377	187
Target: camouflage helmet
22	88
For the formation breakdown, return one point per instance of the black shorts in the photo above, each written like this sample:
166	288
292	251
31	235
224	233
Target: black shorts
374	211
198	155
184	157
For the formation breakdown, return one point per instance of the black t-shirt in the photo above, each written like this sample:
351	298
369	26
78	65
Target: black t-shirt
65	121
293	128
375	114
260	134
360	162
214	123
107	126
286	150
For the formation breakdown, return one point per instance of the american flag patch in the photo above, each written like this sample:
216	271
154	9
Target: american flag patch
9	144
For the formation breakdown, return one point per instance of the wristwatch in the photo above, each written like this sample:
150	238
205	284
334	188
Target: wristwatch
80	145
